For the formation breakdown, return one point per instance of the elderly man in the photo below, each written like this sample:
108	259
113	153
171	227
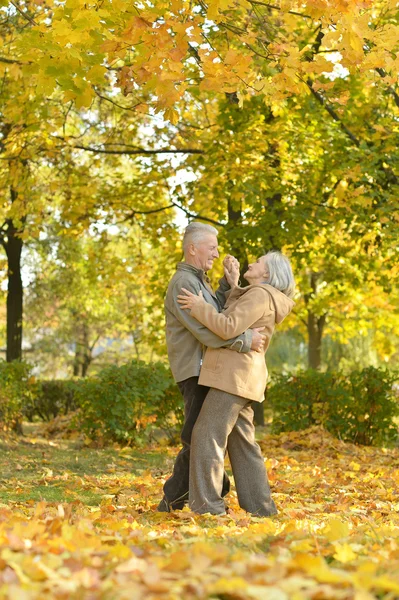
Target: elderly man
186	339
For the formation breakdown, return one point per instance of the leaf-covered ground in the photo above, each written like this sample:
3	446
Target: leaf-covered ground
80	523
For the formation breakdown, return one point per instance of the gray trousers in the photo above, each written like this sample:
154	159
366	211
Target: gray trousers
226	422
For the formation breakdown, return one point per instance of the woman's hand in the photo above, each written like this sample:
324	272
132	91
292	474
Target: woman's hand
188	300
231	270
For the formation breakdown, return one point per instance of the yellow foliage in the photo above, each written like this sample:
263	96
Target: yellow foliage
344	536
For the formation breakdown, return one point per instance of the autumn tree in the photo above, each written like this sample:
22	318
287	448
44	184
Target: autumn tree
157	52
89	301
287	114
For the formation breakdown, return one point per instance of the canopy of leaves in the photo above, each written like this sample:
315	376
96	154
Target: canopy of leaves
162	49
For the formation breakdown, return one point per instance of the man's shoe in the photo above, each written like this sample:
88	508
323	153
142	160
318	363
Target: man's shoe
163	506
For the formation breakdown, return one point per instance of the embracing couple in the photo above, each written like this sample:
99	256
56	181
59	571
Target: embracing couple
216	344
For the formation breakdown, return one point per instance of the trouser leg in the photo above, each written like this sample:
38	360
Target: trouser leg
218	416
176	487
248	467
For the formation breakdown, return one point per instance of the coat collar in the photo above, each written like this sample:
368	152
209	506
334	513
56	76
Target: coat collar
282	304
183	266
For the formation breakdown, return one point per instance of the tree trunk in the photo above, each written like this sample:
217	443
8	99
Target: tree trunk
83	351
13	248
315	327
85	365
77	361
136	345
315	333
87	351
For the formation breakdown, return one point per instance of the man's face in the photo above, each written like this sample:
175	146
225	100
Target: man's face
206	251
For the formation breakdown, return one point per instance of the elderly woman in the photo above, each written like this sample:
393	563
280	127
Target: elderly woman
236	380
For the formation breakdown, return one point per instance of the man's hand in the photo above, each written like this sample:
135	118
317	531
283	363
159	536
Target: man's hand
231	270
258	339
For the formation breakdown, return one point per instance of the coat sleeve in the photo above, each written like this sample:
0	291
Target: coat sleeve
221	291
253	305
240	343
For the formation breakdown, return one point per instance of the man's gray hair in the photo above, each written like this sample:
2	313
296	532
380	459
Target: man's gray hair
195	232
280	273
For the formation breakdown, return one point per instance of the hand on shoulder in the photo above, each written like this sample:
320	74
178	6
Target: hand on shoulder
188	300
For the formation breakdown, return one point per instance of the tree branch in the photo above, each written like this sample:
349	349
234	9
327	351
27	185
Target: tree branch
91	348
131	108
139	151
25	16
187	212
332	113
149	212
300	318
176	205
193	216
273	7
395	95
11	61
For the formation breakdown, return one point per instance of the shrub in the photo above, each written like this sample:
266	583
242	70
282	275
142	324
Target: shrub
366	414
359	408
54	397
122	403
17	388
300	401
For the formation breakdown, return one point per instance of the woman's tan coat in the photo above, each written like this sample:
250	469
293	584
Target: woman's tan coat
242	374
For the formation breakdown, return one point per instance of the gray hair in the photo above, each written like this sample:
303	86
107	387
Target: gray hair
195	232
280	273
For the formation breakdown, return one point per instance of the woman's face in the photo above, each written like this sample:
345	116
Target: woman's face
257	270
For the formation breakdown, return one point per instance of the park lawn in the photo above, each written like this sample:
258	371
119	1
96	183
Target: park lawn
36	468
79	522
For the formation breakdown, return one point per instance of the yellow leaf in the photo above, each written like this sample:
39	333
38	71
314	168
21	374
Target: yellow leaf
142	108
96	74
354	466
318	568
385	583
85	98
179	561
336	530
344	553
228	585
171	115
69	95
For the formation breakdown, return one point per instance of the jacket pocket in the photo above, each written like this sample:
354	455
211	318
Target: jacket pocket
212	360
242	371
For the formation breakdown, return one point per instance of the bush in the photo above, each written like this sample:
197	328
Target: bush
300	401
122	403
366	414
358	408
17	389
54	397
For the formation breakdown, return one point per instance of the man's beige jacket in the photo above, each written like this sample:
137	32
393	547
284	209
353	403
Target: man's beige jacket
186	338
253	306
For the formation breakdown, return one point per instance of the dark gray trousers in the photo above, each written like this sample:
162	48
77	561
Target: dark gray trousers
226	421
176	487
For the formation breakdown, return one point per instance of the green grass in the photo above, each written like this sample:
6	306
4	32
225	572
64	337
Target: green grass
34	469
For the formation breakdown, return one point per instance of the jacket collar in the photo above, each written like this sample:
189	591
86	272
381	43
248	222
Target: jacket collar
183	266
282	304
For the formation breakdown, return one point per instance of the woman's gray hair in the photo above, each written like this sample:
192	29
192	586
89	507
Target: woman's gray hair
280	273
195	232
